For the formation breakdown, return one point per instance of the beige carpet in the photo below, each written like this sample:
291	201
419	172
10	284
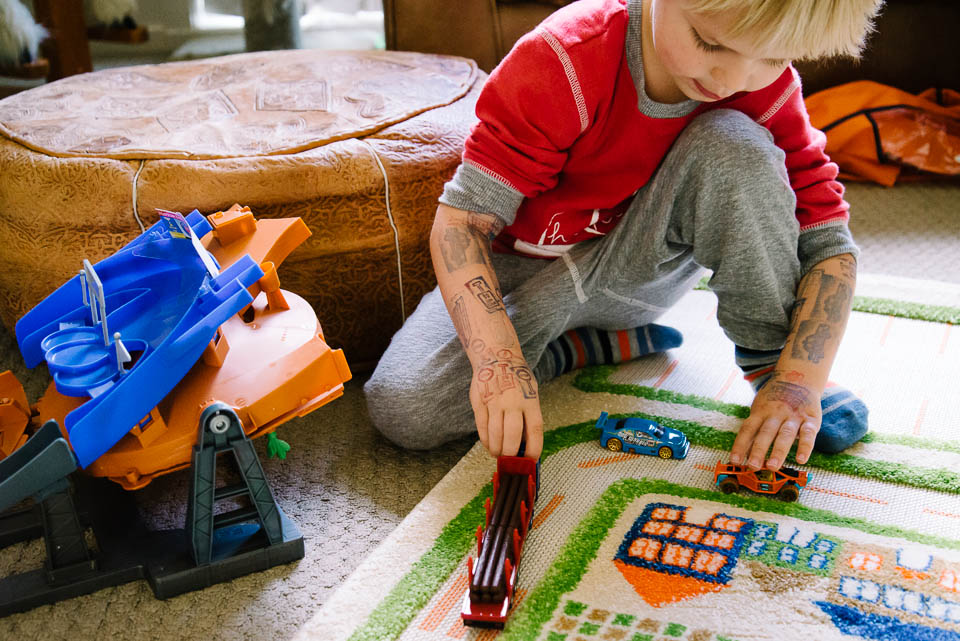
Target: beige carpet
347	490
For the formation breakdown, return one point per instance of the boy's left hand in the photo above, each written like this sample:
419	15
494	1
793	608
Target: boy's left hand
782	412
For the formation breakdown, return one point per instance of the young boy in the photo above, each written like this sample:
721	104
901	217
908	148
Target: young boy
623	146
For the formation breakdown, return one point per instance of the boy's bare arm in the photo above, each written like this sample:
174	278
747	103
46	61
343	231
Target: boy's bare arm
503	390
787	407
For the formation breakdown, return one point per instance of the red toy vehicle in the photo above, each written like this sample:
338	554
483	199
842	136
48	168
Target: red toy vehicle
785	482
493	575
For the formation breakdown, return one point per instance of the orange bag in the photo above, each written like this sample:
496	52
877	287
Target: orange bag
874	131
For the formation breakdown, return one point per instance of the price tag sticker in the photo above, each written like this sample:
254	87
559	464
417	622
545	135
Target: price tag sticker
176	224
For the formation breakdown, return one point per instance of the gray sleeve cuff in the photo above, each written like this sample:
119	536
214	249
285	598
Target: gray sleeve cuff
826	241
471	189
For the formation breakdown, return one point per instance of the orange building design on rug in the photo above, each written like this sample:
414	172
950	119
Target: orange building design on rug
668	556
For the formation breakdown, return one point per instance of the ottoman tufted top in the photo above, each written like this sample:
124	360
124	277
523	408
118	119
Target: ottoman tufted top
251	104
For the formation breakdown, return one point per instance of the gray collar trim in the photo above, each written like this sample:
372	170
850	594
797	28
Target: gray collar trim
634	51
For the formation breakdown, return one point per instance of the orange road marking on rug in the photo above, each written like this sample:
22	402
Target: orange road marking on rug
939	513
547	510
859	497
605	460
921	414
447	601
701	466
726	386
886	331
457	630
946	337
666	373
713	313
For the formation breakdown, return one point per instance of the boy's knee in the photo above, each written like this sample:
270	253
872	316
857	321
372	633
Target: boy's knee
416	413
731	141
396	411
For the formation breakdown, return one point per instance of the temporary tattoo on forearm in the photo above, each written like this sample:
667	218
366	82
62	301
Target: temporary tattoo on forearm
505	371
848	266
794	396
821	309
461	322
491	300
837	305
812	336
488	224
484	377
527	382
460	247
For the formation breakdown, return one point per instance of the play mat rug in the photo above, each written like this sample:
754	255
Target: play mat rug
634	548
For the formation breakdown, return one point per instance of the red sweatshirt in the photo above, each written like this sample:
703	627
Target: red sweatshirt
565	139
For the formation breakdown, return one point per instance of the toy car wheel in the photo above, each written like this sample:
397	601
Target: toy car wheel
614	445
789	493
665	452
729	485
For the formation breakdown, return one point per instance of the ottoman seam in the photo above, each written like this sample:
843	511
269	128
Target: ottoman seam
393	225
136	213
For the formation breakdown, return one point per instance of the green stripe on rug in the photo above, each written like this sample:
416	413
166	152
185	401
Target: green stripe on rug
890	307
570	565
399	608
596	379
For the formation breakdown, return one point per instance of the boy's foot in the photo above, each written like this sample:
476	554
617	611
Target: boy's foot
845	416
590	346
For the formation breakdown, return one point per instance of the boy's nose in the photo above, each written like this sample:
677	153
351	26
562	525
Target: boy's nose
730	79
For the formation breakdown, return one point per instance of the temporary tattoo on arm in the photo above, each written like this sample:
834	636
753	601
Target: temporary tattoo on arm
488	224
504	372
491	300
848	266
794	396
812	336
527	383
461	322
838	304
470	244
459	248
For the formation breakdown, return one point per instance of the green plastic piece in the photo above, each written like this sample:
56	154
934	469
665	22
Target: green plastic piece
277	447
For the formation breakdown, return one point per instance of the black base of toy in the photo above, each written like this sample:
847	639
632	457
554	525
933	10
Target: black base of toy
128	551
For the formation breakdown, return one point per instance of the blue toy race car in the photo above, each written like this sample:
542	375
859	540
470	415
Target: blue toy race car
640	436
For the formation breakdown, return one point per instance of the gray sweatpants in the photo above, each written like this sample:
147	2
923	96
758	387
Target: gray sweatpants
720	200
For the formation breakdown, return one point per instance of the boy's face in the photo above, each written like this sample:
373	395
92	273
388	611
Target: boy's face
703	61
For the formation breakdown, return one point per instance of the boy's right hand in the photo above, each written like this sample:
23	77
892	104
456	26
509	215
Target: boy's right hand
506	405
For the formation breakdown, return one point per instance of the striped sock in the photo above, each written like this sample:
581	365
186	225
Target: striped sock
590	346
844	415
757	364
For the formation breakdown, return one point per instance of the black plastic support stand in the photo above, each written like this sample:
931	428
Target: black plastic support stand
233	544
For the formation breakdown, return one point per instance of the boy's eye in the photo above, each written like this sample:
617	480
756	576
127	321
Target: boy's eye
703	44
776	63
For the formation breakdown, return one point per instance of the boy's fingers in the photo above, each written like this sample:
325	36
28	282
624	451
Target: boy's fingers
481	415
741	444
808	435
761	443
495	432
512	433
782	444
533	426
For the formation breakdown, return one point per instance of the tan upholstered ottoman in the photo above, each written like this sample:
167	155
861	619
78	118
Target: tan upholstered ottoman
358	144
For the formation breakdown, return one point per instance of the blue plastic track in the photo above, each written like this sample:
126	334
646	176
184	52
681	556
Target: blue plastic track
161	299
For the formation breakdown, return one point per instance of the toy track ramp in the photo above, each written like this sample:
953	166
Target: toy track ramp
44	461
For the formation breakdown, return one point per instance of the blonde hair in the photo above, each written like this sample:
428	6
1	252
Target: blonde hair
809	29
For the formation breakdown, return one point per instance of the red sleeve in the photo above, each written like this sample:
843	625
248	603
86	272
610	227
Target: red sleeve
529	117
813	176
